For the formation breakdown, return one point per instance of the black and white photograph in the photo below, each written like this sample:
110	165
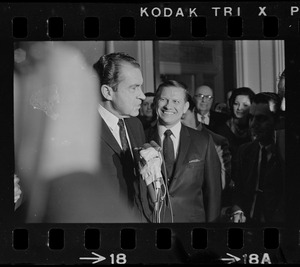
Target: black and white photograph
150	131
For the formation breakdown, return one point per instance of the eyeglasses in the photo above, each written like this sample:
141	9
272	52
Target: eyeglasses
205	97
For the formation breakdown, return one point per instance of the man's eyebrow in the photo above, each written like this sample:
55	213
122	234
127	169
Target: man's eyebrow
135	85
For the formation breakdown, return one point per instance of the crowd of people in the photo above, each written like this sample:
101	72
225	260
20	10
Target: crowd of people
221	163
252	187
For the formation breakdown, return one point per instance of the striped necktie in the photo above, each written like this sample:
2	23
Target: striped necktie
168	151
124	141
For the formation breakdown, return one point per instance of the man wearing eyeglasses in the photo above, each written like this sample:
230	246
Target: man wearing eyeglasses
203	98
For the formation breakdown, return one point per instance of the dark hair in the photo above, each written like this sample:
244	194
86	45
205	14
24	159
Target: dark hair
170	83
191	102
240	91
149	94
268	98
216	104
108	68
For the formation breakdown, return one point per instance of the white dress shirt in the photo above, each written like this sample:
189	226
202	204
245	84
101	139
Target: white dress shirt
112	122
206	118
175	135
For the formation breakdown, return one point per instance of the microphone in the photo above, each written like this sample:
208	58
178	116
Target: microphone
158	149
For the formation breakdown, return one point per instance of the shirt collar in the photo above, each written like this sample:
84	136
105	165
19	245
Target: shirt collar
207	115
110	119
175	129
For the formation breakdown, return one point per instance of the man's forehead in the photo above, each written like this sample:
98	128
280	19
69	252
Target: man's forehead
173	91
204	90
149	98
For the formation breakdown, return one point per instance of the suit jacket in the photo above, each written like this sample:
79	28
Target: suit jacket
122	174
223	150
195	190
216	119
246	179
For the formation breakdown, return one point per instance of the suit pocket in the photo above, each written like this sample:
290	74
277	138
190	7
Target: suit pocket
194	164
194	161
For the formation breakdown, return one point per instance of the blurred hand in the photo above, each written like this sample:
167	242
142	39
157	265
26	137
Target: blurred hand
238	217
17	189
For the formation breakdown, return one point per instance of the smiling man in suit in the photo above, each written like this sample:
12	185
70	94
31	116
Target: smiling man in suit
191	168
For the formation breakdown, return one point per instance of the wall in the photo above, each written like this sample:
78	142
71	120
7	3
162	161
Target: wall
259	63
142	51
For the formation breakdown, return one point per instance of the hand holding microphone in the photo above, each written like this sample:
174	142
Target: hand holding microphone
150	167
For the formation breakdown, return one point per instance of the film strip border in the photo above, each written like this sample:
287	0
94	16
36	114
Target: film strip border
155	244
194	20
151	21
163	27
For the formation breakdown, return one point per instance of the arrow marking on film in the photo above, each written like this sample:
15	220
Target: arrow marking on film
96	259
232	259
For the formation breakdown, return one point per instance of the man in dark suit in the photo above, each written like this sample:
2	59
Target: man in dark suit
260	180
203	98
120	85
191	167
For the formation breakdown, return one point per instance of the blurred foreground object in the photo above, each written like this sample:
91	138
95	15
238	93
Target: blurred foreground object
57	143
17	192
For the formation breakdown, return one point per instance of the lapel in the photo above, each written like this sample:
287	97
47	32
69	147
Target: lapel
273	164
135	141
153	135
212	118
197	123
108	138
252	164
184	144
132	136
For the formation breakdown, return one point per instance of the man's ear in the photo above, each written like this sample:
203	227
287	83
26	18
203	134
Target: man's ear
186	106
106	91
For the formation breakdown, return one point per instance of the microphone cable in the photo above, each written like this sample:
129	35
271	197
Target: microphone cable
166	191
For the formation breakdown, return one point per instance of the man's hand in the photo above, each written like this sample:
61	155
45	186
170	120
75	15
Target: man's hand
151	170
238	217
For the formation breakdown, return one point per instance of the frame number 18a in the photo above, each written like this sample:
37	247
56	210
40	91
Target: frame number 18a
256	259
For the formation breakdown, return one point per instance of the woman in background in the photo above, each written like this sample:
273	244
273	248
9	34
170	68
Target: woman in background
236	129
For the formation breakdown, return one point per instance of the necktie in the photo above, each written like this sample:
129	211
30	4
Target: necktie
126	186
168	151
124	141
263	166
258	209
203	119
